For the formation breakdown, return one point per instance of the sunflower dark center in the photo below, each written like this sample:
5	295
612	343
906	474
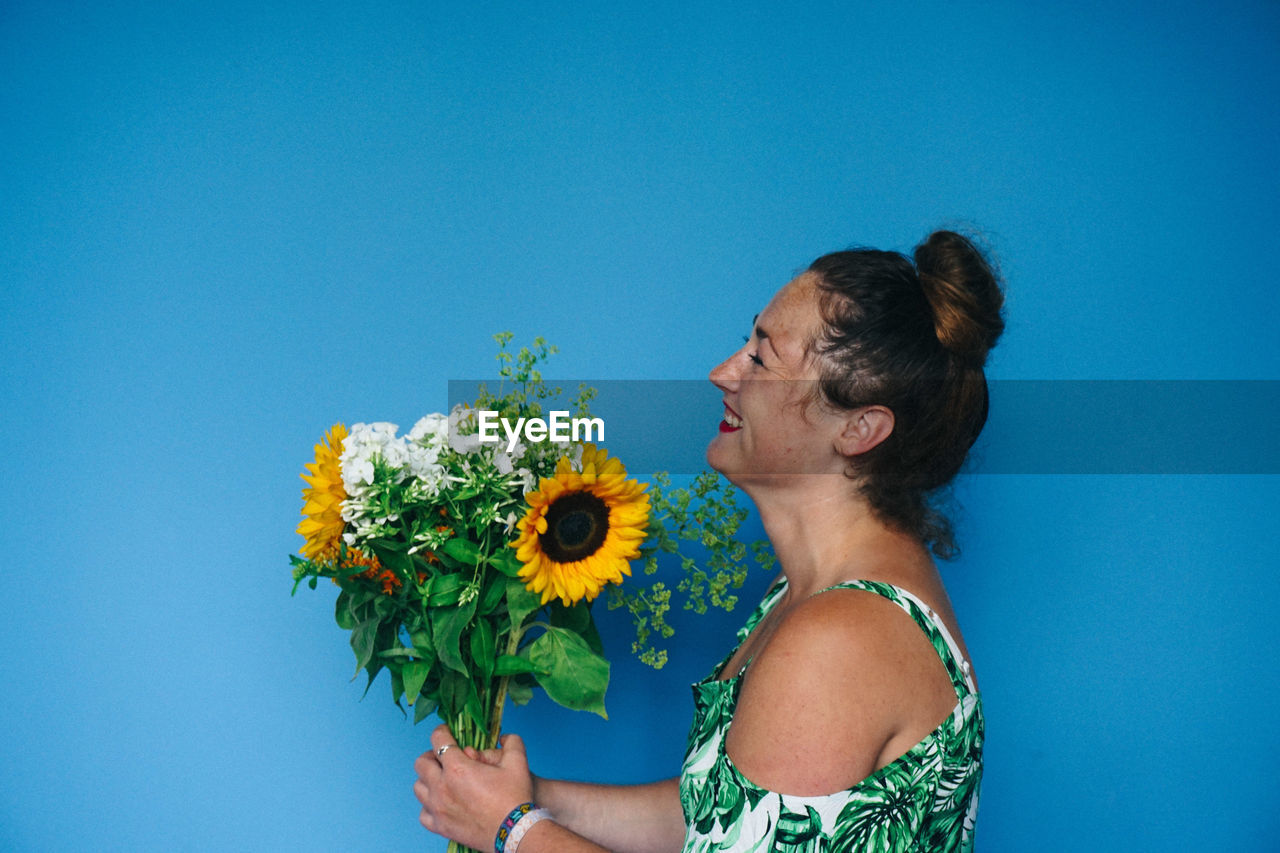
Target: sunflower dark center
576	527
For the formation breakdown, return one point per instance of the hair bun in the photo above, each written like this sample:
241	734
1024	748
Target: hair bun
964	294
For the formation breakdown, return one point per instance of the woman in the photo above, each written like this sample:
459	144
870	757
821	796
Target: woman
857	395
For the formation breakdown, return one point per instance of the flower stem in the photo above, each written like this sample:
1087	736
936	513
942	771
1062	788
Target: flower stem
455	847
467	733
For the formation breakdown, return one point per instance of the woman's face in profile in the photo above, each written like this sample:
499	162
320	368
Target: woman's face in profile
769	428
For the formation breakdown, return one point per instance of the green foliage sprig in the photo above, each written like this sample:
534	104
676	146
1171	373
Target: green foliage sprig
707	515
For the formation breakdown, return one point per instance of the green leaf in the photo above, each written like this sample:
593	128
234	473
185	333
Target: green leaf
373	669
385	607
362	600
520	602
342	611
364	638
475	710
574	618
462	550
415	675
446	590
512	665
397	687
592	635
577	619
423	708
495	587
482	646
453	694
519	693
506	562
458	696
422	642
388	654
446	562
572	674
393	555
446	632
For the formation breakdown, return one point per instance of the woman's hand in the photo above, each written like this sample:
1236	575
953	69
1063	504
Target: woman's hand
465	794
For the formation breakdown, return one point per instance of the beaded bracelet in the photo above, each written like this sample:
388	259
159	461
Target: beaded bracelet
516	825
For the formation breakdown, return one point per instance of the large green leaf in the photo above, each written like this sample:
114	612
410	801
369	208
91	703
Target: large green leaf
342	611
364	639
415	675
520	602
569	671
447	626
578	620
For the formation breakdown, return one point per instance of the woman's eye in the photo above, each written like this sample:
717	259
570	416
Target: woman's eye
756	359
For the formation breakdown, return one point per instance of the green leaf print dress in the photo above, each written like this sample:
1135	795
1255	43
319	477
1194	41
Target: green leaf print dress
925	800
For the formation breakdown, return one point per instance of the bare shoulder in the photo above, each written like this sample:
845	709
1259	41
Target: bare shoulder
846	679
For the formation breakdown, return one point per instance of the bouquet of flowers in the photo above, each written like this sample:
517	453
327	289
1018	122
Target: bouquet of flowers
467	567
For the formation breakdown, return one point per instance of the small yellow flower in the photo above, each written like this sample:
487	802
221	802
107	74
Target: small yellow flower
322	499
581	529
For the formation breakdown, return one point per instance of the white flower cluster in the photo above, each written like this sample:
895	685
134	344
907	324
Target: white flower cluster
438	452
464	438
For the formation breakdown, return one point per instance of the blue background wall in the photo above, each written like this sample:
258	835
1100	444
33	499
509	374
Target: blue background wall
224	226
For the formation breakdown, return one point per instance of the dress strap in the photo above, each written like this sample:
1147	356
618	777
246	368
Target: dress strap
943	643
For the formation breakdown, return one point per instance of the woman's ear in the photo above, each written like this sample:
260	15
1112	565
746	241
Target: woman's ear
864	428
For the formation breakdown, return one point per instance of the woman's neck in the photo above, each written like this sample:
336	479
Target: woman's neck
826	535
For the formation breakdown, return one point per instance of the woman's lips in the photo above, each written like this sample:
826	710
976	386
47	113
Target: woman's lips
731	421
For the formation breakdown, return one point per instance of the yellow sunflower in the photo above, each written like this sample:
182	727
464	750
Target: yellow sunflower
582	528
322	527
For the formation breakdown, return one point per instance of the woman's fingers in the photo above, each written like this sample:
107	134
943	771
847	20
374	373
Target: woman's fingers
465	793
512	752
442	741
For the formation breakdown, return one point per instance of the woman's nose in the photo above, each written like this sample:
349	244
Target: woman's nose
725	374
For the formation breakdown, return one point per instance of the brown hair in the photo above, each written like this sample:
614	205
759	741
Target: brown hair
913	337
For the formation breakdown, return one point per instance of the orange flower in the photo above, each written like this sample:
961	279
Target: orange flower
374	572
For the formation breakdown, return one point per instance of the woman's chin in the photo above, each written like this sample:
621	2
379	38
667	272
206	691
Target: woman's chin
716	458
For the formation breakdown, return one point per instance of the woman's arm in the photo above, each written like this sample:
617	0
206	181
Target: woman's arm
622	818
466	795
